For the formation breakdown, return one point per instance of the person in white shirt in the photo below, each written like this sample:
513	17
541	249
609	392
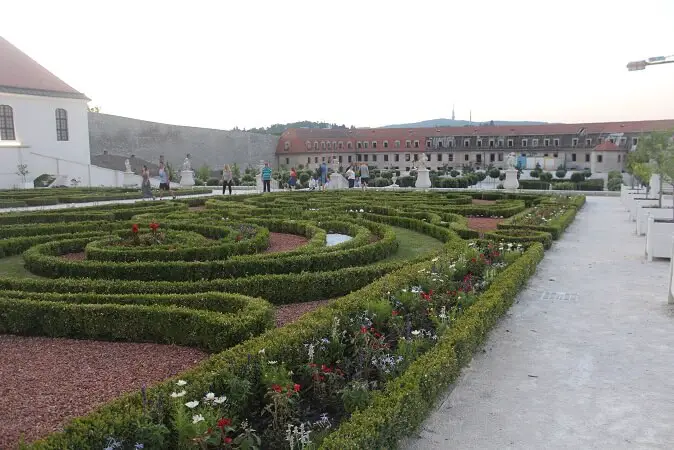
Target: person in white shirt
351	176
313	183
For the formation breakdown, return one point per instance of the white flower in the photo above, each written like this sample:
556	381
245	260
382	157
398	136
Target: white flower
435	259
261	352
361	210
181	382
192	404
219	400
178	394
210	396
271	363
197	418
415	332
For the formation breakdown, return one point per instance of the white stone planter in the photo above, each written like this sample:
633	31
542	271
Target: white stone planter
657	213
670	292
627	194
659	239
637	202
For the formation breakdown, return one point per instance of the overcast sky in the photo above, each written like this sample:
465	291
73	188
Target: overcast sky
251	63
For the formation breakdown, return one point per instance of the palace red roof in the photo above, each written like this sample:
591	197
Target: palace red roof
299	136
607	146
20	74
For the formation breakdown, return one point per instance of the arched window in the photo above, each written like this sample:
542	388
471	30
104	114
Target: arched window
349	145
308	145
61	124
7	123
286	146
315	145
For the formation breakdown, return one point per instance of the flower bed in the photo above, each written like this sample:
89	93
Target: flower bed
552	218
181	309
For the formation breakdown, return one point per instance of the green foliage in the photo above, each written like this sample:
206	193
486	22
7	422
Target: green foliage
545	176
577	177
560	173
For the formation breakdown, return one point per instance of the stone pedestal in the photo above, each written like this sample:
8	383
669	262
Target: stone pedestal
670	299
186	178
511	182
655	185
130	179
337	181
423	180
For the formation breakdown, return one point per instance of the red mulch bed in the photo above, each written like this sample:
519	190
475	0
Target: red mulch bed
80	256
289	313
44	382
478	201
283	242
483	224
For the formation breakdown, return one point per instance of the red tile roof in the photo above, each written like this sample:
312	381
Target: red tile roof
22	75
607	146
298	136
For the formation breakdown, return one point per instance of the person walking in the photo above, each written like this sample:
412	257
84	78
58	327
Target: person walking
227	179
324	174
266	178
164	182
293	178
351	176
146	187
364	175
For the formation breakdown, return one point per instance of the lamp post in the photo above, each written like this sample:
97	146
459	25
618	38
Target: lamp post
654	61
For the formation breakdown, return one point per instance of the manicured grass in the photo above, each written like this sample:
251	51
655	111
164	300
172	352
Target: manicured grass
12	267
412	244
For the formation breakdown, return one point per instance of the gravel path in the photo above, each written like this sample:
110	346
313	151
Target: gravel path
283	242
289	313
483	224
44	382
584	358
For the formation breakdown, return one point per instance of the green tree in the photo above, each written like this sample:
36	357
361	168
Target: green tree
657	148
203	173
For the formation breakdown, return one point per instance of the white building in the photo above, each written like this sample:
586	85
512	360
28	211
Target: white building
44	126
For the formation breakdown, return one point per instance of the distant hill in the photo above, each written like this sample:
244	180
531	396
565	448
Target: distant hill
279	128
459	123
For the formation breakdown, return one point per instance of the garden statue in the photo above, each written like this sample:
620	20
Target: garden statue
127	165
512	161
187	165
335	164
421	164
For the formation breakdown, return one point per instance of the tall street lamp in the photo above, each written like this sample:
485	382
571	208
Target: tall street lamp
654	61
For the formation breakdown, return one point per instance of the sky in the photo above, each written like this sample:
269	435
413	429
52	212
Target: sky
252	63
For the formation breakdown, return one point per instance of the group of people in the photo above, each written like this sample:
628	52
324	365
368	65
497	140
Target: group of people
164	182
357	176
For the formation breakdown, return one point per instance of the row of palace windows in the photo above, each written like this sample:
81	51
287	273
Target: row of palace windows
7	124
493	157
492	143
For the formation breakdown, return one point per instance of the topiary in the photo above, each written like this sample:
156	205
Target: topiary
561	173
546	176
454	173
494	173
577	177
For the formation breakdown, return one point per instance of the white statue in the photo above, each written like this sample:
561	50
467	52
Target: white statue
187	165
421	164
512	161
127	164
335	164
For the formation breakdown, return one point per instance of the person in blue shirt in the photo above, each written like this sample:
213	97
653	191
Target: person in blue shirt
324	174
266	178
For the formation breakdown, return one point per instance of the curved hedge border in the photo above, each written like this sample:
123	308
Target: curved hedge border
210	321
555	227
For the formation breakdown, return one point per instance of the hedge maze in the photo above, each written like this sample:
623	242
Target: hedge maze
361	371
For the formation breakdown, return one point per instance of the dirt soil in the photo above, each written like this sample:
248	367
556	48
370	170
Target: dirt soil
289	313
477	201
283	242
45	382
483	224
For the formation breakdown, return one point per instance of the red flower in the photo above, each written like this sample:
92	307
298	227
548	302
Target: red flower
363	329
296	387
222	423
238	237
228	440
134	228
154	226
394	313
276	387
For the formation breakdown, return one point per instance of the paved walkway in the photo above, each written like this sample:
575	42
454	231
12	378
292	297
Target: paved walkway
583	360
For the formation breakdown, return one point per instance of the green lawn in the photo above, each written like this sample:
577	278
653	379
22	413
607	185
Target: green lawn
12	267
412	244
